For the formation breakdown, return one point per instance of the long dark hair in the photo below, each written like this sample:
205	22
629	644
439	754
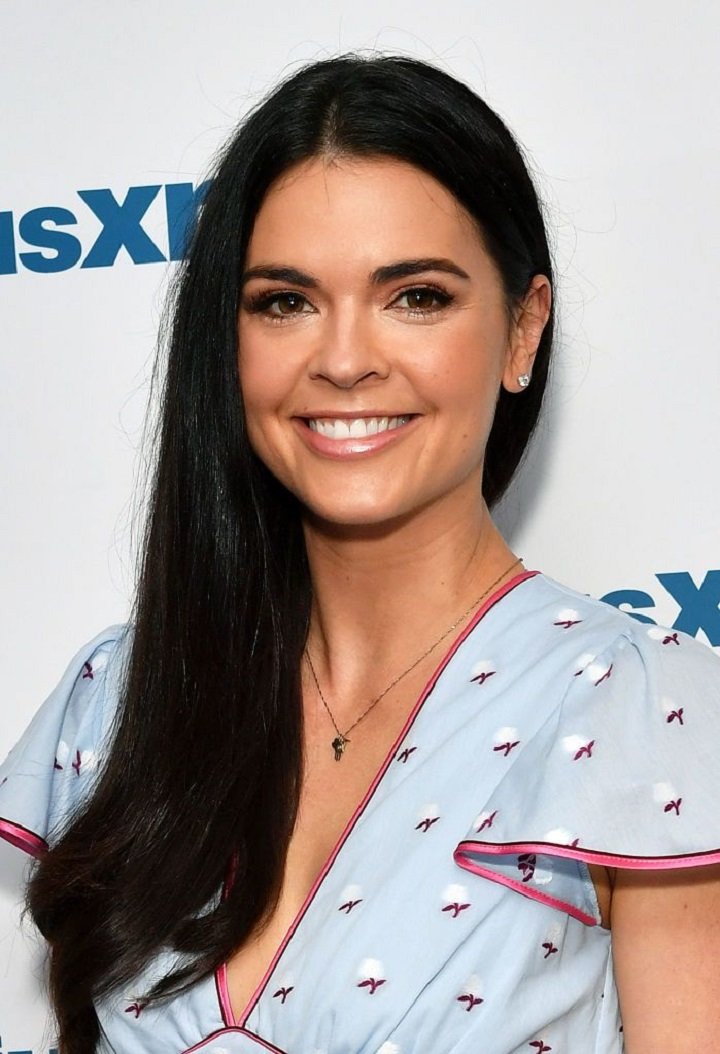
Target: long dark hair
206	761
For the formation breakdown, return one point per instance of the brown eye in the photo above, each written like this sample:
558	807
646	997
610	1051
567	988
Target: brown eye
421	298
288	303
289	300
425	300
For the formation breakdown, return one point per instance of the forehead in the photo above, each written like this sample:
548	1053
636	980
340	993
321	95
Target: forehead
379	204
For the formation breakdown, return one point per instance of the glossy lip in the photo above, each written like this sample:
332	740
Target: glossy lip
341	449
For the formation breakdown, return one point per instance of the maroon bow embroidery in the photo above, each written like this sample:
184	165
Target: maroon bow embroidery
455	908
371	984
471	1000
507	747
283	993
480	678
136	1008
585	751
349	905
405	754
487	822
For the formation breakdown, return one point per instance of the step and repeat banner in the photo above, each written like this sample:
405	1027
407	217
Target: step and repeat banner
111	114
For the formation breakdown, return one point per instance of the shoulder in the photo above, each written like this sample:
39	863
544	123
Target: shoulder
628	695
600	636
52	767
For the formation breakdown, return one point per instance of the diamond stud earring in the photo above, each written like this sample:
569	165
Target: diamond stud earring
524	380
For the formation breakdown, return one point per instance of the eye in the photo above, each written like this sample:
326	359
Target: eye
287	301
420	300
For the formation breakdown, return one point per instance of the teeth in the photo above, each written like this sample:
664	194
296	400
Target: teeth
357	429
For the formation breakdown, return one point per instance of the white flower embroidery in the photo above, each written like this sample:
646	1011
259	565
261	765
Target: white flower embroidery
351	893
484	821
559	836
482	670
370	968
573	743
429	815
541	877
473	985
658	632
506	739
454	893
583	661
663	792
80	761
595	671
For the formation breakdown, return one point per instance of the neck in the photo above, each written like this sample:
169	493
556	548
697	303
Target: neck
383	595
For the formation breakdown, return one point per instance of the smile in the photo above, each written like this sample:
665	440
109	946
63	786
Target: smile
359	428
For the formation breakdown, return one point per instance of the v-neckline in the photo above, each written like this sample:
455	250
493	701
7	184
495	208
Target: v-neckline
221	981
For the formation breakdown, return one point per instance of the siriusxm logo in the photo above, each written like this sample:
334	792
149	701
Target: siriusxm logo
699	605
41	239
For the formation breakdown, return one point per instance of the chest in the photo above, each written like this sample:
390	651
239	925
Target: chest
331	794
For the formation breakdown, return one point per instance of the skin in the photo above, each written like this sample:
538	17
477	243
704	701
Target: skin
400	542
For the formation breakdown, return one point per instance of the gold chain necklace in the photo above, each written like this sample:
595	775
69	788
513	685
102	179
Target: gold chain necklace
341	740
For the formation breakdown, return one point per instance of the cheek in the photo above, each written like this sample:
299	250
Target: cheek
264	379
468	391
470	382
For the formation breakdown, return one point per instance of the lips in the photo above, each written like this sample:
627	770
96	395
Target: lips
353	436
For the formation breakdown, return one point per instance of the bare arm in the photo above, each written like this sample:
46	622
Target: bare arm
666	949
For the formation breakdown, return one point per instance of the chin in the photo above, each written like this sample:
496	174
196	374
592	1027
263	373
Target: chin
360	519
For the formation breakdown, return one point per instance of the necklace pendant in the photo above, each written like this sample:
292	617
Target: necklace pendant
338	745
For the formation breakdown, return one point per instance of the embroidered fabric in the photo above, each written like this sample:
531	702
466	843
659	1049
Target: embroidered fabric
556	731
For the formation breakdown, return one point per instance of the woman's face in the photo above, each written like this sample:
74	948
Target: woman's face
373	340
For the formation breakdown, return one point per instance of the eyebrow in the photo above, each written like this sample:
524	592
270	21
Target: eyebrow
387	273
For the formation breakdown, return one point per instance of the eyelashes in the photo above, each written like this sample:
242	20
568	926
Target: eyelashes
261	303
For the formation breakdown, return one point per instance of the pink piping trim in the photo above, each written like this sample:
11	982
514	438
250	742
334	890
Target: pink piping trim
221	982
222	971
28	841
528	891
590	856
221	978
234	1031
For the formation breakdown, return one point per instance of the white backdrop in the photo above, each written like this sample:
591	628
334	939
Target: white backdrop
617	104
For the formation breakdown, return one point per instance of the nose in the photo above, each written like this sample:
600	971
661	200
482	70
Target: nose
348	352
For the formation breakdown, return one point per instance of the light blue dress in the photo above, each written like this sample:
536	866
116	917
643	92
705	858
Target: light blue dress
456	914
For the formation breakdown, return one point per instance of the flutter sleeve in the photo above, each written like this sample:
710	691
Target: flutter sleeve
51	768
624	772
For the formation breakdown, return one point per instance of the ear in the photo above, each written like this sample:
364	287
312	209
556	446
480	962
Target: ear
529	321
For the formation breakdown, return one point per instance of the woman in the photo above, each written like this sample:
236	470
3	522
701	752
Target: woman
355	780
